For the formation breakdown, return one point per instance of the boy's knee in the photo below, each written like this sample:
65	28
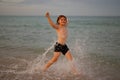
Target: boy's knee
54	60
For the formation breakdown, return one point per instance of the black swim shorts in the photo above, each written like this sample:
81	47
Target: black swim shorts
61	48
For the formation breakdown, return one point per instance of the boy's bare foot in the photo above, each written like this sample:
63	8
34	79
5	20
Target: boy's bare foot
43	70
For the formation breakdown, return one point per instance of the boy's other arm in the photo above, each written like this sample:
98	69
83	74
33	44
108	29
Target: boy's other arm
50	21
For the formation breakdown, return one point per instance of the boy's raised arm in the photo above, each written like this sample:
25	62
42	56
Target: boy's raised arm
50	21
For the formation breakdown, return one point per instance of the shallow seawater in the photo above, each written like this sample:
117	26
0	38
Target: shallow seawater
29	66
24	67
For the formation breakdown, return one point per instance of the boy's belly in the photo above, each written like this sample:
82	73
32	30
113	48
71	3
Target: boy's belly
61	40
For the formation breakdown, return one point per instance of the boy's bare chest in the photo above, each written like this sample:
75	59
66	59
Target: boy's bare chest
62	31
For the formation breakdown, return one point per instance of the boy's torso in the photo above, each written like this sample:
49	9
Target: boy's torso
62	34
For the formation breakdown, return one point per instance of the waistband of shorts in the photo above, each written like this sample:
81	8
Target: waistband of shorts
60	43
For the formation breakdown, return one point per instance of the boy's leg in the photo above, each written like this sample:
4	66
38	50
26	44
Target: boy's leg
70	58
50	62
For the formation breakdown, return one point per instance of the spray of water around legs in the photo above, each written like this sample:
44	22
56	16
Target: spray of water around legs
39	61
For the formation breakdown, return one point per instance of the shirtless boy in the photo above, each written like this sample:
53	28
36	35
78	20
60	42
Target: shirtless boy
60	46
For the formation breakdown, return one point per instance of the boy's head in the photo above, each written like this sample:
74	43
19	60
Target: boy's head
61	20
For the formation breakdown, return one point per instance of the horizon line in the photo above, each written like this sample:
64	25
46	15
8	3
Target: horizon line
66	15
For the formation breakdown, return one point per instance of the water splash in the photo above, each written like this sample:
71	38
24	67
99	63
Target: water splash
39	61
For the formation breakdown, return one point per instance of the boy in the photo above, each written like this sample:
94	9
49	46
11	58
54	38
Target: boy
60	46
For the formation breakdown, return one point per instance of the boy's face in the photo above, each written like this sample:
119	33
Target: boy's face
62	21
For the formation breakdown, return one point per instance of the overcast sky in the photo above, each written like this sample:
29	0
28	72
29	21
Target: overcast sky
56	7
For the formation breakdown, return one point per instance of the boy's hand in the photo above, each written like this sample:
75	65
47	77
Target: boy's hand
47	14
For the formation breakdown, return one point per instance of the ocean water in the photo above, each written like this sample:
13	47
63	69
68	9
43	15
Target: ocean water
26	44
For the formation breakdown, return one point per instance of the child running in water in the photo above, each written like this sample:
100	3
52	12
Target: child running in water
60	46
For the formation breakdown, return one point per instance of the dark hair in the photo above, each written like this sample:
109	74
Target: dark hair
60	17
